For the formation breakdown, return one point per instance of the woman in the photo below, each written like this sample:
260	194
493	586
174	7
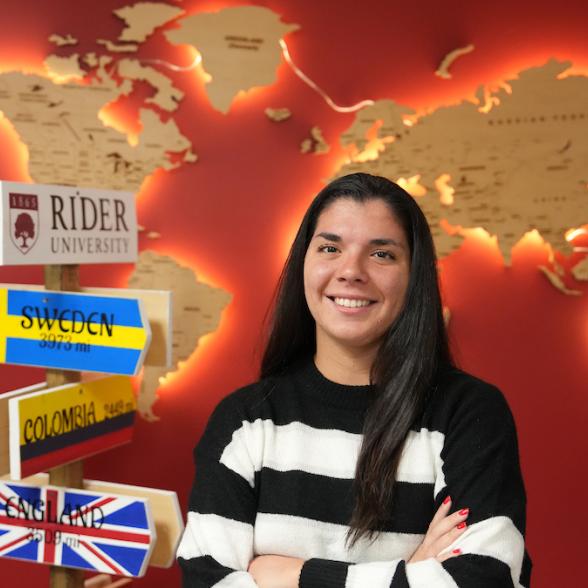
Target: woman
362	458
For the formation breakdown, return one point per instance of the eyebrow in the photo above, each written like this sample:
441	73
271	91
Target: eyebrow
380	242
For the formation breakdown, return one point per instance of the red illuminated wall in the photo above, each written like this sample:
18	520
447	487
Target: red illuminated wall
231	215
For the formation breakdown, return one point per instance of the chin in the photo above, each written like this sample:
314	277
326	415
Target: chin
358	343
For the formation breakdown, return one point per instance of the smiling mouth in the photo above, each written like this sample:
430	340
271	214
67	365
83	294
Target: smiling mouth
351	302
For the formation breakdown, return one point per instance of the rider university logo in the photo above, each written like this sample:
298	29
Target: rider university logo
24	220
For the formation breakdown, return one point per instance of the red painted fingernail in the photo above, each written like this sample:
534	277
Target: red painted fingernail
461	525
456	551
464	511
447	500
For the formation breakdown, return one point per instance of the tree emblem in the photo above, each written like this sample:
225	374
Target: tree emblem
24	220
24	228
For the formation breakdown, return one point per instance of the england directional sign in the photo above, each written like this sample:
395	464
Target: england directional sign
75	528
163	505
52	427
44	224
72	331
167	517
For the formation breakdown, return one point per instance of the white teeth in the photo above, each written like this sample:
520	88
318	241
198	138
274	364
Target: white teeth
349	303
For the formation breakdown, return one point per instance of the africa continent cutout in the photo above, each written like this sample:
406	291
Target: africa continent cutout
514	164
197	310
239	48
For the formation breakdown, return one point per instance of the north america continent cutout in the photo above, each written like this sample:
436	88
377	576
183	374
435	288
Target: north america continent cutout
197	310
518	167
239	48
68	143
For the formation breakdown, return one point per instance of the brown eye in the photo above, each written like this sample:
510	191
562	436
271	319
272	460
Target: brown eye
328	249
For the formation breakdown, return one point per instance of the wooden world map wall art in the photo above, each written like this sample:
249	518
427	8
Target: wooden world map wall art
509	163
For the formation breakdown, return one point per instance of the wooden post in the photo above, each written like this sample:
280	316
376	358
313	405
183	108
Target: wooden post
64	278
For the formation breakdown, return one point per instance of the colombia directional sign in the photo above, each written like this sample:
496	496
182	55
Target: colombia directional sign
72	331
75	528
52	427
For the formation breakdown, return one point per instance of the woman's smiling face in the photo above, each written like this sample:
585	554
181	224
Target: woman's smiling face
356	272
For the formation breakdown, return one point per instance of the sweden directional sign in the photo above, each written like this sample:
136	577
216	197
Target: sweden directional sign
53	427
157	305
72	331
75	528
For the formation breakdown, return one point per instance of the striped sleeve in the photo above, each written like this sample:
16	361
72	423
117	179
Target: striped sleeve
480	464
217	545
482	472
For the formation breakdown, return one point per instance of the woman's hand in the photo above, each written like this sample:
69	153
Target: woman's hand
443	531
276	571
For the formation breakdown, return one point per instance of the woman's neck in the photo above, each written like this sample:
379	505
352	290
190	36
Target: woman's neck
345	366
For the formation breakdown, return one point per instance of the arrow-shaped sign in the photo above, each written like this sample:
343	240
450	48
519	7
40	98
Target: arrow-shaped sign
50	428
163	505
76	528
72	331
158	308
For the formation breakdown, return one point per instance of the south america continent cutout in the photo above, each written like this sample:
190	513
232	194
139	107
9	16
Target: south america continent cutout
197	310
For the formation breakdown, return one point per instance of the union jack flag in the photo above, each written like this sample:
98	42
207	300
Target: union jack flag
75	528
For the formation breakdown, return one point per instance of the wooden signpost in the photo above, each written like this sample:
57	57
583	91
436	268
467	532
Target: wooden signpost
54	427
75	528
71	475
72	331
65	522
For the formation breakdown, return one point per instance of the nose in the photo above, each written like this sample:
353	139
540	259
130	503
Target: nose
351	269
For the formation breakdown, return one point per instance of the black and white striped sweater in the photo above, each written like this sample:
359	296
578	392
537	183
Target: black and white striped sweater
274	475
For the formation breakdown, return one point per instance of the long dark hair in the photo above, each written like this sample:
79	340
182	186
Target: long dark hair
413	350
